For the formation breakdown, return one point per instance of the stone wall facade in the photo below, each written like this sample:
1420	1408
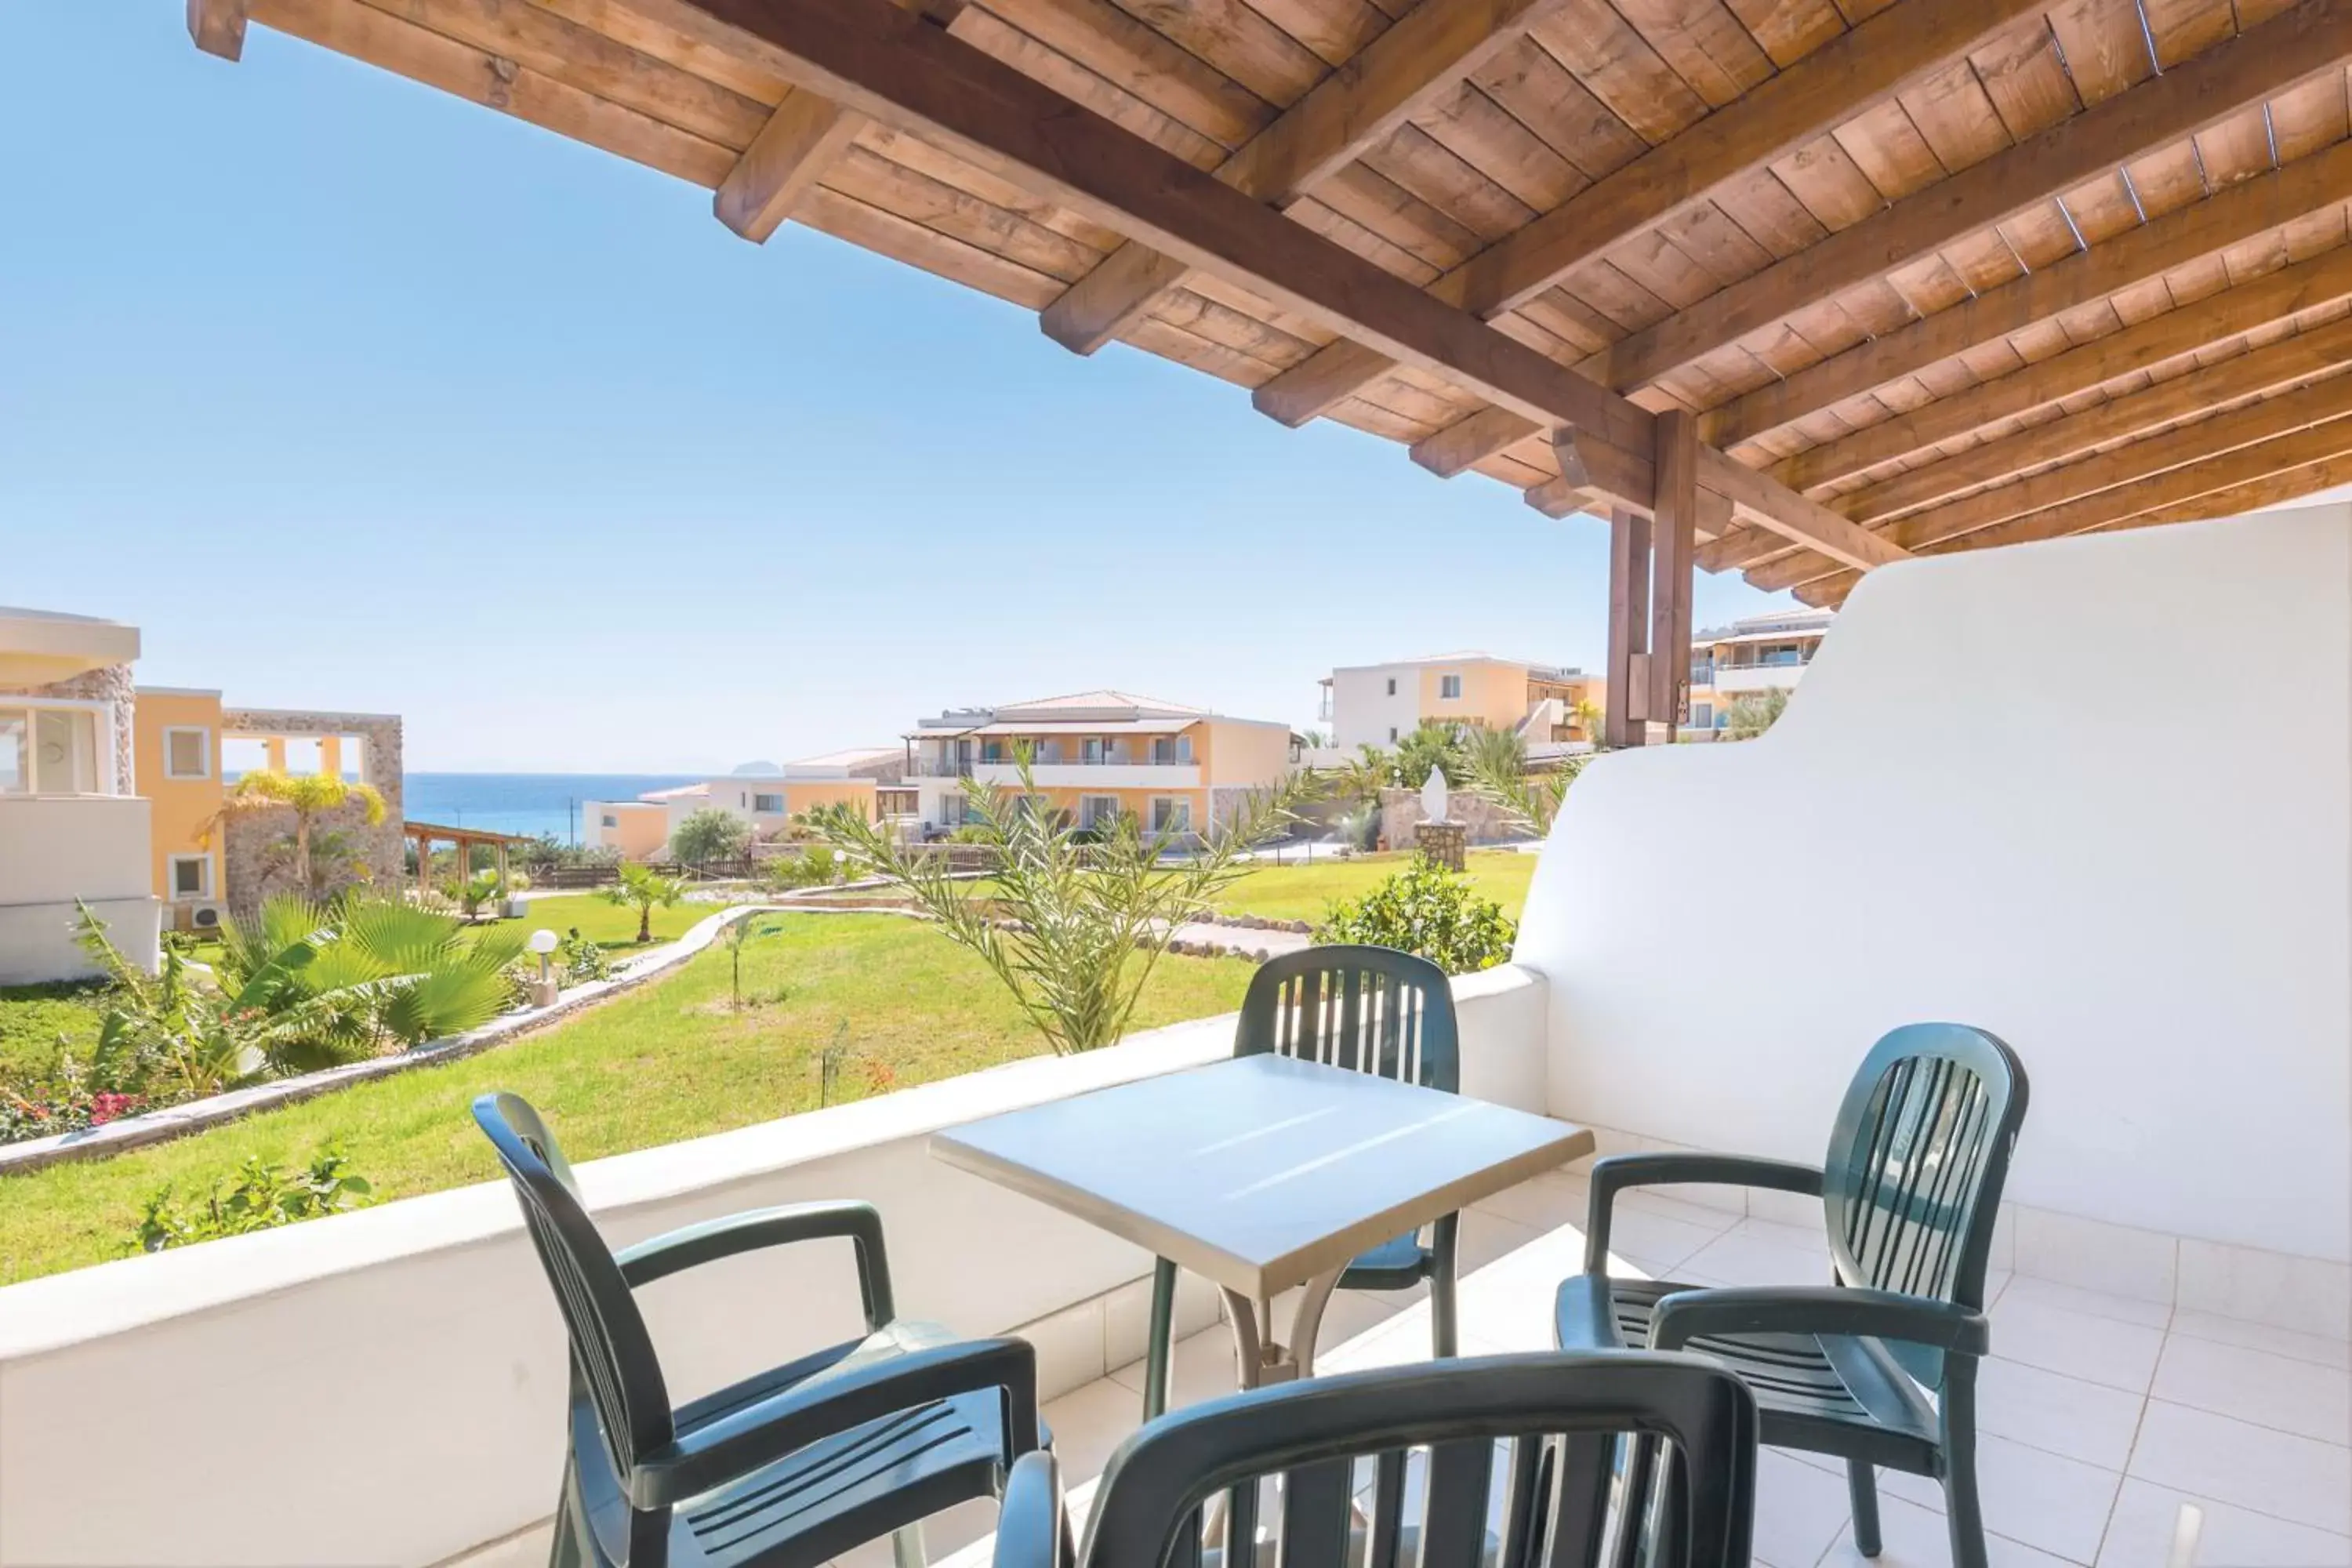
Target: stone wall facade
1483	822
248	842
108	683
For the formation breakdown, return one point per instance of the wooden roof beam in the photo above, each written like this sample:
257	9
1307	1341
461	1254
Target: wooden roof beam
1869	63
1400	74
2323	280
219	26
783	163
2297	463
907	73
2045	492
2257	372
2185	235
2290	48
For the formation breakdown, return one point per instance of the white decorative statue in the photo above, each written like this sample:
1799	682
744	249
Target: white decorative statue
1432	796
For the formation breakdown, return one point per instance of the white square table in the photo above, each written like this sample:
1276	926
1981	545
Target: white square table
1259	1174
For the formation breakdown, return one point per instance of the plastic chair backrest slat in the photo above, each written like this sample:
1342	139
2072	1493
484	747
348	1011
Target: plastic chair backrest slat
1366	1009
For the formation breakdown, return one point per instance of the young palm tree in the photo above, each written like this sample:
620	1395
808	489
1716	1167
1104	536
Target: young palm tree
1072	927
1432	748
311	795
1751	715
1496	765
641	887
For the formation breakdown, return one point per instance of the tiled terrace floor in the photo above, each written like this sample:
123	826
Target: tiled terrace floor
2102	1415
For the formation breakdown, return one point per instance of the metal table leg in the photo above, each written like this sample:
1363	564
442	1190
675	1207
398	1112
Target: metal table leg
1156	1351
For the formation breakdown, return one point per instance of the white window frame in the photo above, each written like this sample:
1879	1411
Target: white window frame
1449	689
1176	802
172	864
204	734
101	722
1090	817
776	810
608	819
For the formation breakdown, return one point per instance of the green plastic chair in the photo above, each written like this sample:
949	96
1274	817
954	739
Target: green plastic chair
1367	1009
1911	1187
1484	1434
791	1468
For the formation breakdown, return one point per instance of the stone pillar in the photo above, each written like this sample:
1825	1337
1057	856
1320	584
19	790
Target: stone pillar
1442	841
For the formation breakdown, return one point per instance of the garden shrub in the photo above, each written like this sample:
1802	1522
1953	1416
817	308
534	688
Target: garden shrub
1427	909
264	1195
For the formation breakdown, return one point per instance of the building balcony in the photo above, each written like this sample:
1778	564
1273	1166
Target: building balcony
1069	774
1737	679
58	851
447	1432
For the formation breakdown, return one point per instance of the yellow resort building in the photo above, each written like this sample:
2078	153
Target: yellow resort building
762	793
1094	754
1380	704
1748	658
112	795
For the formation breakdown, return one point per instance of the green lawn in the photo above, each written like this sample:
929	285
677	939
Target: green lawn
610	925
1303	893
34	1019
668	1061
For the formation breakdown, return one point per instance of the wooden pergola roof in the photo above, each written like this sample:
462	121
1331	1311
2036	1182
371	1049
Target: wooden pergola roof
1833	282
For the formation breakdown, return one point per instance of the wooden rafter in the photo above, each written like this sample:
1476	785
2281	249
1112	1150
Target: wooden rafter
1398	75
905	73
2257	372
2290	48
1865	66
2325	279
783	163
2185	235
219	26
2054	489
2282	468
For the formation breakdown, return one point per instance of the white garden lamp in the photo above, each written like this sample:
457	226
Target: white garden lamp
543	943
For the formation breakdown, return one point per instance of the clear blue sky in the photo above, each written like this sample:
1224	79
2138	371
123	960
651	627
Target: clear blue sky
351	394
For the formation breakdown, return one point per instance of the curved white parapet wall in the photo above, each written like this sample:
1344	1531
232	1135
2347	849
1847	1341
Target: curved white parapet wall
2093	795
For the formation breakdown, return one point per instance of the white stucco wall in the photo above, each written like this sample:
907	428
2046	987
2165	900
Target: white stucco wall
56	851
2090	794
1362	711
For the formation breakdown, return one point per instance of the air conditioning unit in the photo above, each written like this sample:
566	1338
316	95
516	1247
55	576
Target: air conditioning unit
202	917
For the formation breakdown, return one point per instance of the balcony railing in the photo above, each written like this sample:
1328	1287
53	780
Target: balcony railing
961	767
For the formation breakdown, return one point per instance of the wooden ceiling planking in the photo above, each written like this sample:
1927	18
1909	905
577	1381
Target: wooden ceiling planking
1144	64
1702	43
1621	69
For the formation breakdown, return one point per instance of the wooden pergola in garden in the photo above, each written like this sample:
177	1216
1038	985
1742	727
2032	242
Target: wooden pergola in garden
1791	287
464	840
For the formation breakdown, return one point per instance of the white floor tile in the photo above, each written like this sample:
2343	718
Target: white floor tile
2023	1287
1088	1423
2276	1473
2053	1503
1203	1368
2097	1349
1674	1203
1799	1509
1656	1243
2318	1349
2086	1421
2256	1385
1543	1201
1917	1538
1746	1258
525	1549
2142	1532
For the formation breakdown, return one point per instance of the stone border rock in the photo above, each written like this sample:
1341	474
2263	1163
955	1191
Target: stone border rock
199	1115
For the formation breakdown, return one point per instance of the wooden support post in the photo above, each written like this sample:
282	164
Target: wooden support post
1673	543
1629	602
502	868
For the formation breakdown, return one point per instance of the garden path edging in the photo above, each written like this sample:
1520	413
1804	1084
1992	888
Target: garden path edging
128	1133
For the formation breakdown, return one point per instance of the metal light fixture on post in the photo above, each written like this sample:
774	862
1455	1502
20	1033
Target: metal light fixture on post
544	989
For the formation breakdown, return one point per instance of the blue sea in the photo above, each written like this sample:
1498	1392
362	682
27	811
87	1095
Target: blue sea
522	802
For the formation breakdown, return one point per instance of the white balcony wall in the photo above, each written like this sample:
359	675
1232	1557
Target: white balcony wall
55	849
1734	680
396	1376
1957	819
1093	775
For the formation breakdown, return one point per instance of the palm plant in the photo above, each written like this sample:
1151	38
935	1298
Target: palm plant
1362	779
173	1034
1073	929
311	795
1495	764
423	976
641	887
